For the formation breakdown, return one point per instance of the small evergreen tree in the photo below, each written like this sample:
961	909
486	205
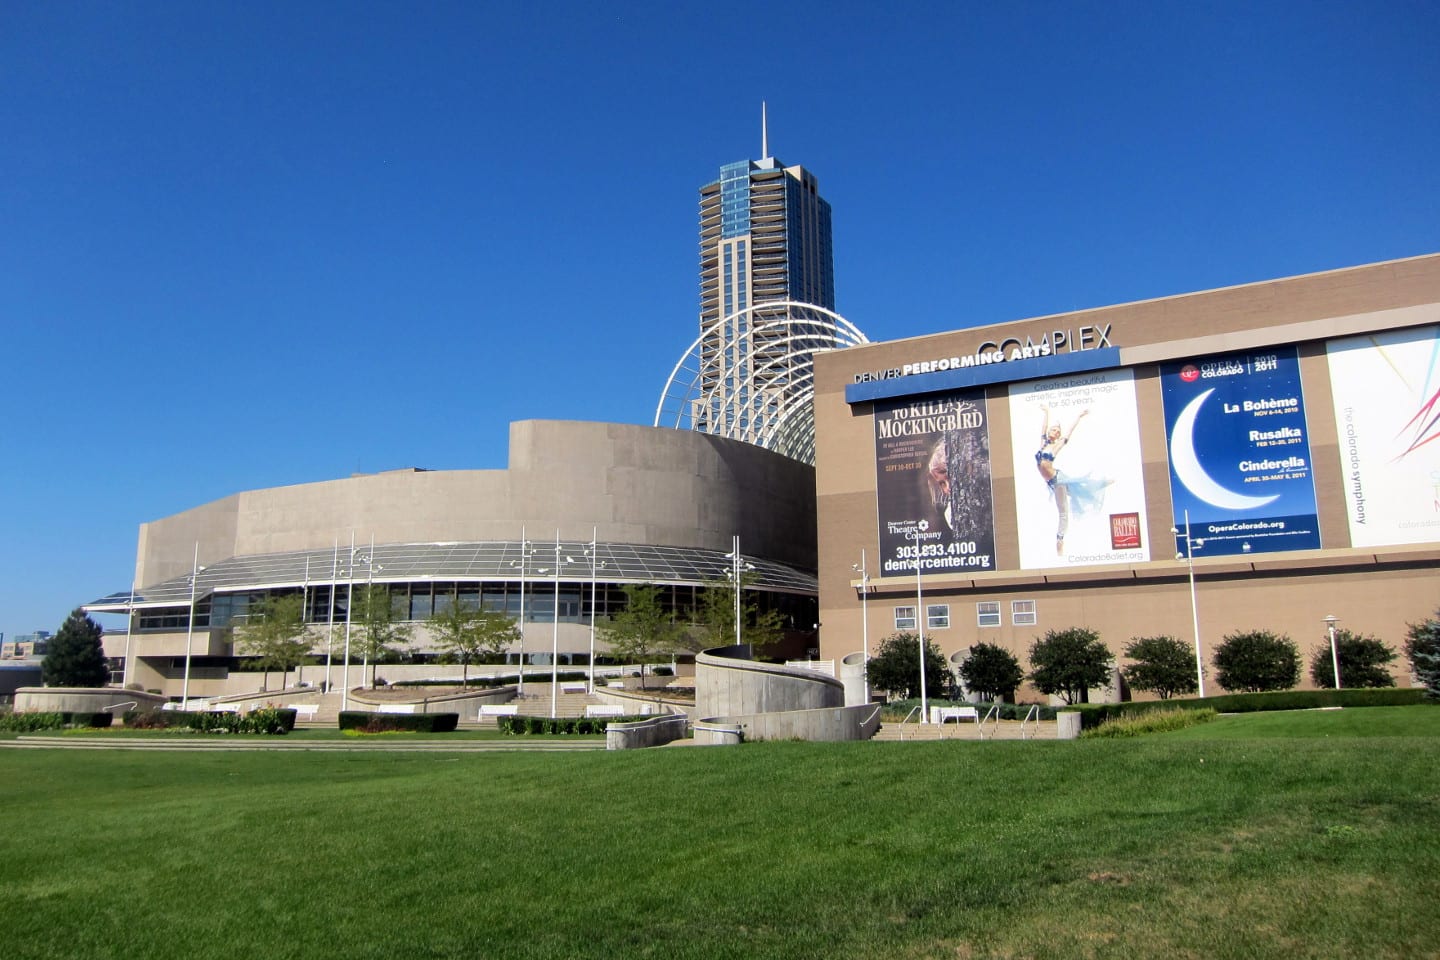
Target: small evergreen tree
1163	666
896	667
1362	662
75	657
991	672
643	629
1422	647
1257	661
274	633
1067	663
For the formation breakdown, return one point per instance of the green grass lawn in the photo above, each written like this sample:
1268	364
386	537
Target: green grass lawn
1420	721
1201	843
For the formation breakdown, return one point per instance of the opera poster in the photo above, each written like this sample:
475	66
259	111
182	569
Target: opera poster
1387	418
932	463
1240	453
1079	483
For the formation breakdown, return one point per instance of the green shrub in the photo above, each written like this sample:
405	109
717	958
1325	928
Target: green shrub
1152	721
560	726
1163	665
273	721
1362	662
1094	714
1422	647
1257	661
52	720
366	722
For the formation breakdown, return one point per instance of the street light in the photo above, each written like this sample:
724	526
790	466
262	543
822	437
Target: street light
860	568
1189	557
738	567
593	553
1330	622
525	552
195	569
370	567
920	628
330	620
349	617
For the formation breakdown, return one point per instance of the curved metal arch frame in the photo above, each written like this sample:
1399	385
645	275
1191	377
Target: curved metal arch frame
825	330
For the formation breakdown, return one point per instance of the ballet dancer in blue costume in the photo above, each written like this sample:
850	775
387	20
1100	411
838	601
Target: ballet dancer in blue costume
1082	493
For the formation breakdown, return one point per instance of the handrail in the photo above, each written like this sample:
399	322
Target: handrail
127	704
913	710
1034	711
994	711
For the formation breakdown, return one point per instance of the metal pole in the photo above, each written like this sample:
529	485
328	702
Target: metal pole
304	625
865	620
349	617
520	671
1330	622
1194	607
920	625
330	628
369	613
594	557
190	628
736	542
555	637
129	630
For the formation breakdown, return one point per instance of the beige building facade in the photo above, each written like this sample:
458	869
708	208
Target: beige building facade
1034	471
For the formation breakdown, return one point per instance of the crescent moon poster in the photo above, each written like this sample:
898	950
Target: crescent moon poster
1387	415
1239	448
932	463
1079	488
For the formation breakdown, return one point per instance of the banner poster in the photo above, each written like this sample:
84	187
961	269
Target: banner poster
932	464
1387	416
1079	484
1240	453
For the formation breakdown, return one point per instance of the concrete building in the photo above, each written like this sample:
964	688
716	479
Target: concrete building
583	510
993	483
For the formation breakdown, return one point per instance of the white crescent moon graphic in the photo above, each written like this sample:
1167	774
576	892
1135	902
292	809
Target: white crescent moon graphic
1187	464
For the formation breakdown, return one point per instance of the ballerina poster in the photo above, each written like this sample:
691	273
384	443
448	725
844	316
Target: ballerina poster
1387	414
1240	453
1079	490
932	462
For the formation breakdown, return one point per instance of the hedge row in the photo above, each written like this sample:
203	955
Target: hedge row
1094	714
560	725
31	722
273	721
392	722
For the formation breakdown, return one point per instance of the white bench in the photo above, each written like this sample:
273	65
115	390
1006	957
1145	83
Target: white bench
488	710
942	714
396	708
307	711
604	710
573	688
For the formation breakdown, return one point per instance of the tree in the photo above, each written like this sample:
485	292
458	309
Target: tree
75	657
467	633
715	619
1362	662
991	672
1422	647
642	629
379	635
272	634
1164	666
896	667
1257	661
1068	663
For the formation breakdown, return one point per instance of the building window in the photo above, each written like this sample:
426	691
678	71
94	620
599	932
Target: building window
1022	613
987	613
904	618
937	616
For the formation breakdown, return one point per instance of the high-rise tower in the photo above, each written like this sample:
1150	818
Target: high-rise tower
764	238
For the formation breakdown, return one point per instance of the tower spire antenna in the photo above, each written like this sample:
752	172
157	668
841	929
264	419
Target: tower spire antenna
764	133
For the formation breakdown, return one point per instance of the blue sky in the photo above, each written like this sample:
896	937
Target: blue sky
247	245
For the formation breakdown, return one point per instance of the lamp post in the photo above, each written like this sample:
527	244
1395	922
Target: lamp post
330	624
349	618
195	569
555	636
520	667
129	632
1330	622
920	629
861	569
738	567
593	552
1189	557
370	567
304	625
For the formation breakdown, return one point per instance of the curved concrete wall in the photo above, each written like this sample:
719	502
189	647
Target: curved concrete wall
729	684
635	484
852	675
83	700
857	722
654	732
